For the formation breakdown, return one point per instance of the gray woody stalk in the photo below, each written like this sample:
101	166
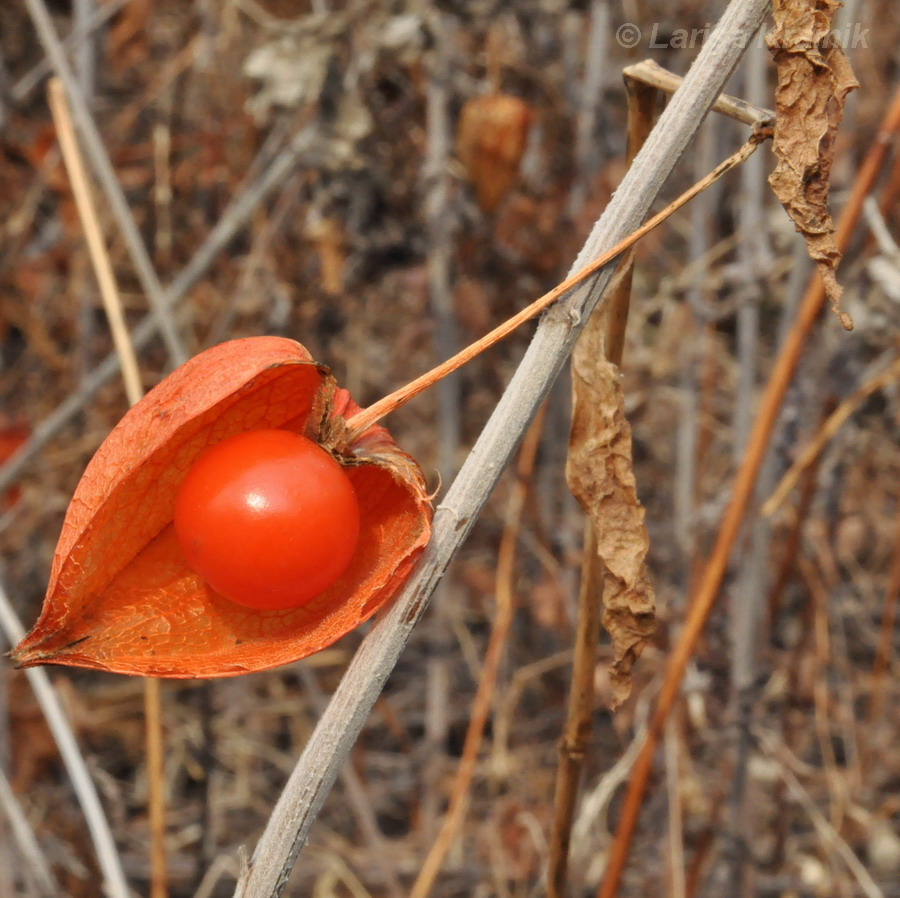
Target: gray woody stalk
330	743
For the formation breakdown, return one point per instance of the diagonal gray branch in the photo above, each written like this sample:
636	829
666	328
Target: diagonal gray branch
114	884
36	869
30	80
309	784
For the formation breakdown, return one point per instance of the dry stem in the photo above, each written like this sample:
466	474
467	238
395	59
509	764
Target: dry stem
576	735
90	223
655	76
574	741
828	429
106	174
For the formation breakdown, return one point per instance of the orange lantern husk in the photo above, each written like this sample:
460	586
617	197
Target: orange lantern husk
121	597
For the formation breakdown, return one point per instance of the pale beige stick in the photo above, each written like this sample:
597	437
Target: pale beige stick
112	303
826	432
93	235
675	837
330	743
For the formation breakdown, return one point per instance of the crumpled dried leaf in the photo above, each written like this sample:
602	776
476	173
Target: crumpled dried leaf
121	596
600	475
814	78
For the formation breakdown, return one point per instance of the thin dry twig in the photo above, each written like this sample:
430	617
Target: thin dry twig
576	735
339	726
708	589
654	75
90	222
378	410
675	835
26	841
574	741
832	841
98	826
826	432
156	777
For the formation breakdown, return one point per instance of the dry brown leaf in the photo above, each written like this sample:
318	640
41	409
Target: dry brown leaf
493	131
814	78
600	475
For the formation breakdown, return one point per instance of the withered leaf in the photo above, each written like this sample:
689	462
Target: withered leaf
600	475
493	132
814	78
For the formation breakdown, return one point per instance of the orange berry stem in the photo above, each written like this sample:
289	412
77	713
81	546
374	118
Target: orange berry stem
368	416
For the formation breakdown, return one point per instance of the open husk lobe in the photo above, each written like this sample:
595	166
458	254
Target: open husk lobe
121	597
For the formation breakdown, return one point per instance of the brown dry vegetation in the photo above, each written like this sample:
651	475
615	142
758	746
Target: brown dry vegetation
193	102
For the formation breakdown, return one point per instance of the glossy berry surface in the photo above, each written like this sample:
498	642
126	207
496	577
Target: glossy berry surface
267	518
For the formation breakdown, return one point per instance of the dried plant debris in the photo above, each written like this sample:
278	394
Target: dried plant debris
311	57
600	475
493	132
814	78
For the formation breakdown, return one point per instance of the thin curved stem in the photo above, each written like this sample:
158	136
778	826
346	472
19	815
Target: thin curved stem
393	401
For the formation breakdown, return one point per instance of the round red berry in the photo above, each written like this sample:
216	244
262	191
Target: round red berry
267	518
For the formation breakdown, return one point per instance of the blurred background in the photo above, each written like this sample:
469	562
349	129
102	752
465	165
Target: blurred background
384	182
